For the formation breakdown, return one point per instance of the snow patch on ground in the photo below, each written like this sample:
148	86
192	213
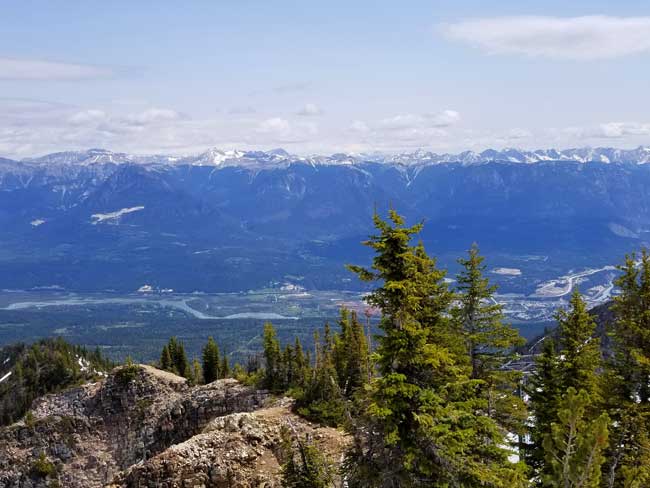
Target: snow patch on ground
5	377
83	364
113	216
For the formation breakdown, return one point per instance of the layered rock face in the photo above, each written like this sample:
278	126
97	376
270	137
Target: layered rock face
147	428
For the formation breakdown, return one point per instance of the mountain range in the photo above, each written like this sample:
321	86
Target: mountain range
278	157
234	220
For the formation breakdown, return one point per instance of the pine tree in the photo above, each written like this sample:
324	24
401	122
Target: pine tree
304	465
574	447
488	339
179	359
322	400
574	364
211	360
165	359
174	359
350	353
627	378
287	368
490	342
197	375
579	349
224	370
300	364
273	359
544	390
421	425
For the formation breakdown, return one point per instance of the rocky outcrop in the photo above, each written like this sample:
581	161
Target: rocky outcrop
235	451
145	427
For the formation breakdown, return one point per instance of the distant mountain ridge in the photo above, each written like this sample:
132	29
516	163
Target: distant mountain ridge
280	157
236	220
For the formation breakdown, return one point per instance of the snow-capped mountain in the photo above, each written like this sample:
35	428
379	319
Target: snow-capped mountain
98	156
280	157
231	220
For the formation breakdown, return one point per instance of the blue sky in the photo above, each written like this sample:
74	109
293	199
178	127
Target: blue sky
179	77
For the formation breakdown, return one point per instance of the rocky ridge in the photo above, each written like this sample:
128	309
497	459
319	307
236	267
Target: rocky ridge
145	427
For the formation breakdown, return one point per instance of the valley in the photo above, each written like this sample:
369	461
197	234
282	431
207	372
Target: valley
139	323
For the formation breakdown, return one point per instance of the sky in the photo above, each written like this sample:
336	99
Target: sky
322	76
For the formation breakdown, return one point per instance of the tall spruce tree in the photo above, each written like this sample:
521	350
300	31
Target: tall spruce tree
273	359
544	389
350	353
174	359
224	369
197	372
300	364
211	366
165	359
627	378
490	342
571	359
580	356
575	445
422	424
322	400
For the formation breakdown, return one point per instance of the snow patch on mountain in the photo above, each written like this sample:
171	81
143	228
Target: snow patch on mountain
281	158
622	231
113	216
507	271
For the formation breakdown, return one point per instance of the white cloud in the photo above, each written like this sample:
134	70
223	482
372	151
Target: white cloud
310	110
275	125
419	135
86	117
567	38
446	118
153	116
517	133
359	126
622	129
34	69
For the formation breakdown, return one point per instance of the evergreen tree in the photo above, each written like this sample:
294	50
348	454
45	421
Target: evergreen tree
300	364
287	368
488	339
304	465
179	359
544	390
211	360
574	364
225	367
350	353
574	447
273	359
197	375
421	424
322	400
165	359
627	378
579	349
